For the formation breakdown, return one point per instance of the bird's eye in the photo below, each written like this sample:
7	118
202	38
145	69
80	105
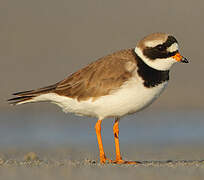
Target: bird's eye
160	47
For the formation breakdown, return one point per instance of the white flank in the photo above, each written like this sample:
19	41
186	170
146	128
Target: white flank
27	101
130	98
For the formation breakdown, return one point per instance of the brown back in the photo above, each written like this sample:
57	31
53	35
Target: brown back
100	77
96	79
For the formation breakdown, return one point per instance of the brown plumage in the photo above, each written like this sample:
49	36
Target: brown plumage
96	79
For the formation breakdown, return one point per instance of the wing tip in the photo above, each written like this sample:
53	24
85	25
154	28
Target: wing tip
21	93
19	100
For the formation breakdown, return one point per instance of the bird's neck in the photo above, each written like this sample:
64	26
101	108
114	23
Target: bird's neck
152	77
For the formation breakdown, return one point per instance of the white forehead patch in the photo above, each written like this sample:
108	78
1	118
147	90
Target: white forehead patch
153	43
174	47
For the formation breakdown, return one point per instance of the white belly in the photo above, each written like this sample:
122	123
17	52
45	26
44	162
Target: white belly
130	98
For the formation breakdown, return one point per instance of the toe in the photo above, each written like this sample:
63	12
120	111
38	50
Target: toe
125	162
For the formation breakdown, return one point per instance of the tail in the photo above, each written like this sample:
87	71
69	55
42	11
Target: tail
28	96
20	100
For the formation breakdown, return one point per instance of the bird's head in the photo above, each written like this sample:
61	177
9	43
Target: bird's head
160	51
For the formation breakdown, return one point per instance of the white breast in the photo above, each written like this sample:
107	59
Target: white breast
130	98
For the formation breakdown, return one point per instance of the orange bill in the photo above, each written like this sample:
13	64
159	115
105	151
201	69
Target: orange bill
180	58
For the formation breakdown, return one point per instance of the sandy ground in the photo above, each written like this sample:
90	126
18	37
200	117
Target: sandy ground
86	169
68	163
57	146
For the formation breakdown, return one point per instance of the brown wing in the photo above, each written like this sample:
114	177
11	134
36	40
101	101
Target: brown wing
96	79
100	77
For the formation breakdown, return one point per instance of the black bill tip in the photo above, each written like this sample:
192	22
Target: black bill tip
184	60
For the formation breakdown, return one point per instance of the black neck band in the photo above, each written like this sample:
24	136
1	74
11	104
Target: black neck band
151	76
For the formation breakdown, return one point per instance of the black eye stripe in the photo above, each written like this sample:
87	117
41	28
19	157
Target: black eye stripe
170	40
160	50
160	47
153	53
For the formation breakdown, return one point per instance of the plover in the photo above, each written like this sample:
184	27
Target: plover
118	84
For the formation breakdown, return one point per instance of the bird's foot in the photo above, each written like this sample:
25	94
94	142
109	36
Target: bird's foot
104	159
120	161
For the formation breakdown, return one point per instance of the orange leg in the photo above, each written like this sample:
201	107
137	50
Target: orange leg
103	158
116	137
118	159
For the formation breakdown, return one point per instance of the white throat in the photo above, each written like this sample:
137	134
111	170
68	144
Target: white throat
159	64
